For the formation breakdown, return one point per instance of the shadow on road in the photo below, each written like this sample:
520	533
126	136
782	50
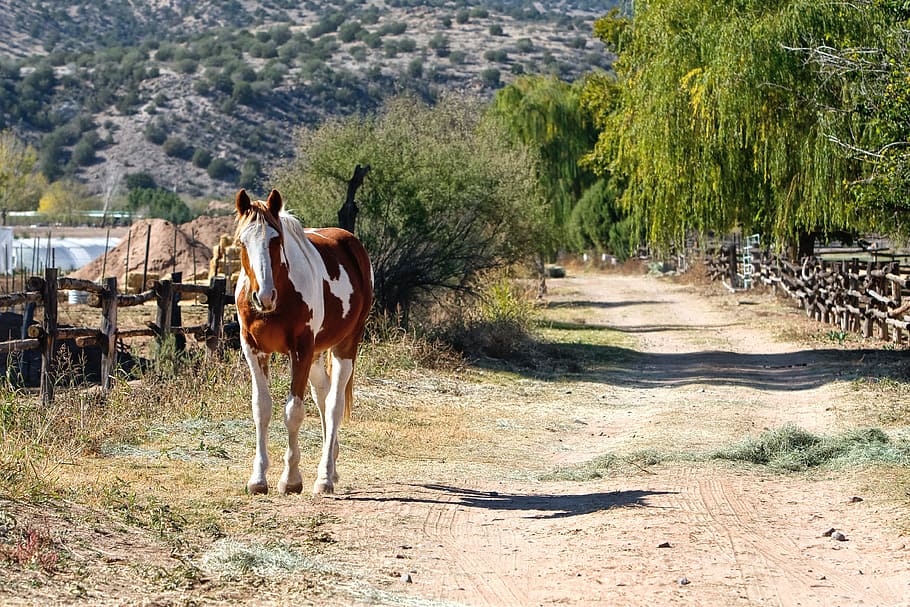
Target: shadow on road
547	506
789	371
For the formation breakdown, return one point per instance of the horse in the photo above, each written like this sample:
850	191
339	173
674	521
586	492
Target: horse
305	293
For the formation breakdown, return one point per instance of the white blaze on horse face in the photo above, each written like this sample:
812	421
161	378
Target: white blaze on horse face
255	239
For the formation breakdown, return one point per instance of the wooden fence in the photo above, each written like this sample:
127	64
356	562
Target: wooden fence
864	297
45	336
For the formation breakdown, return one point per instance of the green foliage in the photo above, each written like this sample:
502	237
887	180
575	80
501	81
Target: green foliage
178	148
159	203
220	168
791	448
548	115
446	199
717	122
142	180
491	77
17	163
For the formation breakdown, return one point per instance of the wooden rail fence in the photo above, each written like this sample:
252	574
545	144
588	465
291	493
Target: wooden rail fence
865	297
45	336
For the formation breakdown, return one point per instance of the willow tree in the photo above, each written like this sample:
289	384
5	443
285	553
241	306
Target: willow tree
546	115
717	123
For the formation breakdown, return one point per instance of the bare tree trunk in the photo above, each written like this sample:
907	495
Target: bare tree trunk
347	214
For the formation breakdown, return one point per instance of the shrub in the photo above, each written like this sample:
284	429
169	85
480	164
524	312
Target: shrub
202	158
220	168
491	77
177	148
438	176
155	133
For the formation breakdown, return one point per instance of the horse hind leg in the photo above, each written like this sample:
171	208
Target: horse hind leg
341	371
320	384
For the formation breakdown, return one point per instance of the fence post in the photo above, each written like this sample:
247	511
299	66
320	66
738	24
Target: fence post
732	264
165	297
217	289
109	331
49	346
176	320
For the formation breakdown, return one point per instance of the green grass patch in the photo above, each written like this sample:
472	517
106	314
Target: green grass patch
605	465
793	449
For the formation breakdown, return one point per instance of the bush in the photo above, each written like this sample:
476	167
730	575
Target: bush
155	133
491	77
220	168
438	177
159	203
202	158
177	148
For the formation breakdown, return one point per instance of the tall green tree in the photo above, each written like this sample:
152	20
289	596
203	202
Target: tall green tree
546	115
718	123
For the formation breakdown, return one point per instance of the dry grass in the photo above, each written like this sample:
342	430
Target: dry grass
155	473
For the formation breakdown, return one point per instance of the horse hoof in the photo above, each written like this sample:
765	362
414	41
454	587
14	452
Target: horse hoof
286	488
323	488
257	488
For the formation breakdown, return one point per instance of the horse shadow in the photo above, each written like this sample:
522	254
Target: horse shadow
546	505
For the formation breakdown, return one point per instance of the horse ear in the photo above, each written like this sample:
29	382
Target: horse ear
243	202
274	202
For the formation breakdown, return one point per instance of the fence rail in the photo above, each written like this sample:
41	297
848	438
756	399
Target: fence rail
46	335
865	297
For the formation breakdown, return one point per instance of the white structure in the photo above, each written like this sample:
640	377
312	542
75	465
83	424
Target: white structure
35	254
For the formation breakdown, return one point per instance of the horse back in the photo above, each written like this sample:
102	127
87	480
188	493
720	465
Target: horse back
343	255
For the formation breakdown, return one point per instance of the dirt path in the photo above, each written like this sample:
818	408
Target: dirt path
585	482
691	533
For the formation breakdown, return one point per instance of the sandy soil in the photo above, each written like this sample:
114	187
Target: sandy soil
680	534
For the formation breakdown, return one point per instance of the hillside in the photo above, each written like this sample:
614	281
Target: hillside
206	96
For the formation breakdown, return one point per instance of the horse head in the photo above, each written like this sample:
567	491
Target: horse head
260	238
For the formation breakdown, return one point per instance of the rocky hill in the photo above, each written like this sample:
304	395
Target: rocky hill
206	96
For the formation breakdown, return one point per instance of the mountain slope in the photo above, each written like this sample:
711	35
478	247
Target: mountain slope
206	96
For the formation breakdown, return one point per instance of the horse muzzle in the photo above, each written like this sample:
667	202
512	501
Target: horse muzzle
264	304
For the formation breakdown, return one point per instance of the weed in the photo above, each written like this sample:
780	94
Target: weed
791	448
34	548
837	336
603	465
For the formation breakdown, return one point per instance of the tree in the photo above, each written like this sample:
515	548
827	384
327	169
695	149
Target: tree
17	164
62	199
446	198
547	115
156	202
716	123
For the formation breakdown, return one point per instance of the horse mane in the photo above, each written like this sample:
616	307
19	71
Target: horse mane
258	213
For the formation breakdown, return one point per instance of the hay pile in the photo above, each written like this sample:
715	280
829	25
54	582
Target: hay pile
194	241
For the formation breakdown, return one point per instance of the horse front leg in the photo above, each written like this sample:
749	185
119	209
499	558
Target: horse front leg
327	476
291	481
262	413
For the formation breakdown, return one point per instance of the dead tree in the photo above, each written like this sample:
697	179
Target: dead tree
347	214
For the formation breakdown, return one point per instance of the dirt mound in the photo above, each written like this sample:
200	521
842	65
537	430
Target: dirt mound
171	248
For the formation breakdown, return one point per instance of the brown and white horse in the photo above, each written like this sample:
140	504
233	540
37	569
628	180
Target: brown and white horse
305	293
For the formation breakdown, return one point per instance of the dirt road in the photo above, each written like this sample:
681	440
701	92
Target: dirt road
585	481
685	532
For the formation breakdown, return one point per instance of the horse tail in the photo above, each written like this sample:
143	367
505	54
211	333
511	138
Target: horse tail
349	398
